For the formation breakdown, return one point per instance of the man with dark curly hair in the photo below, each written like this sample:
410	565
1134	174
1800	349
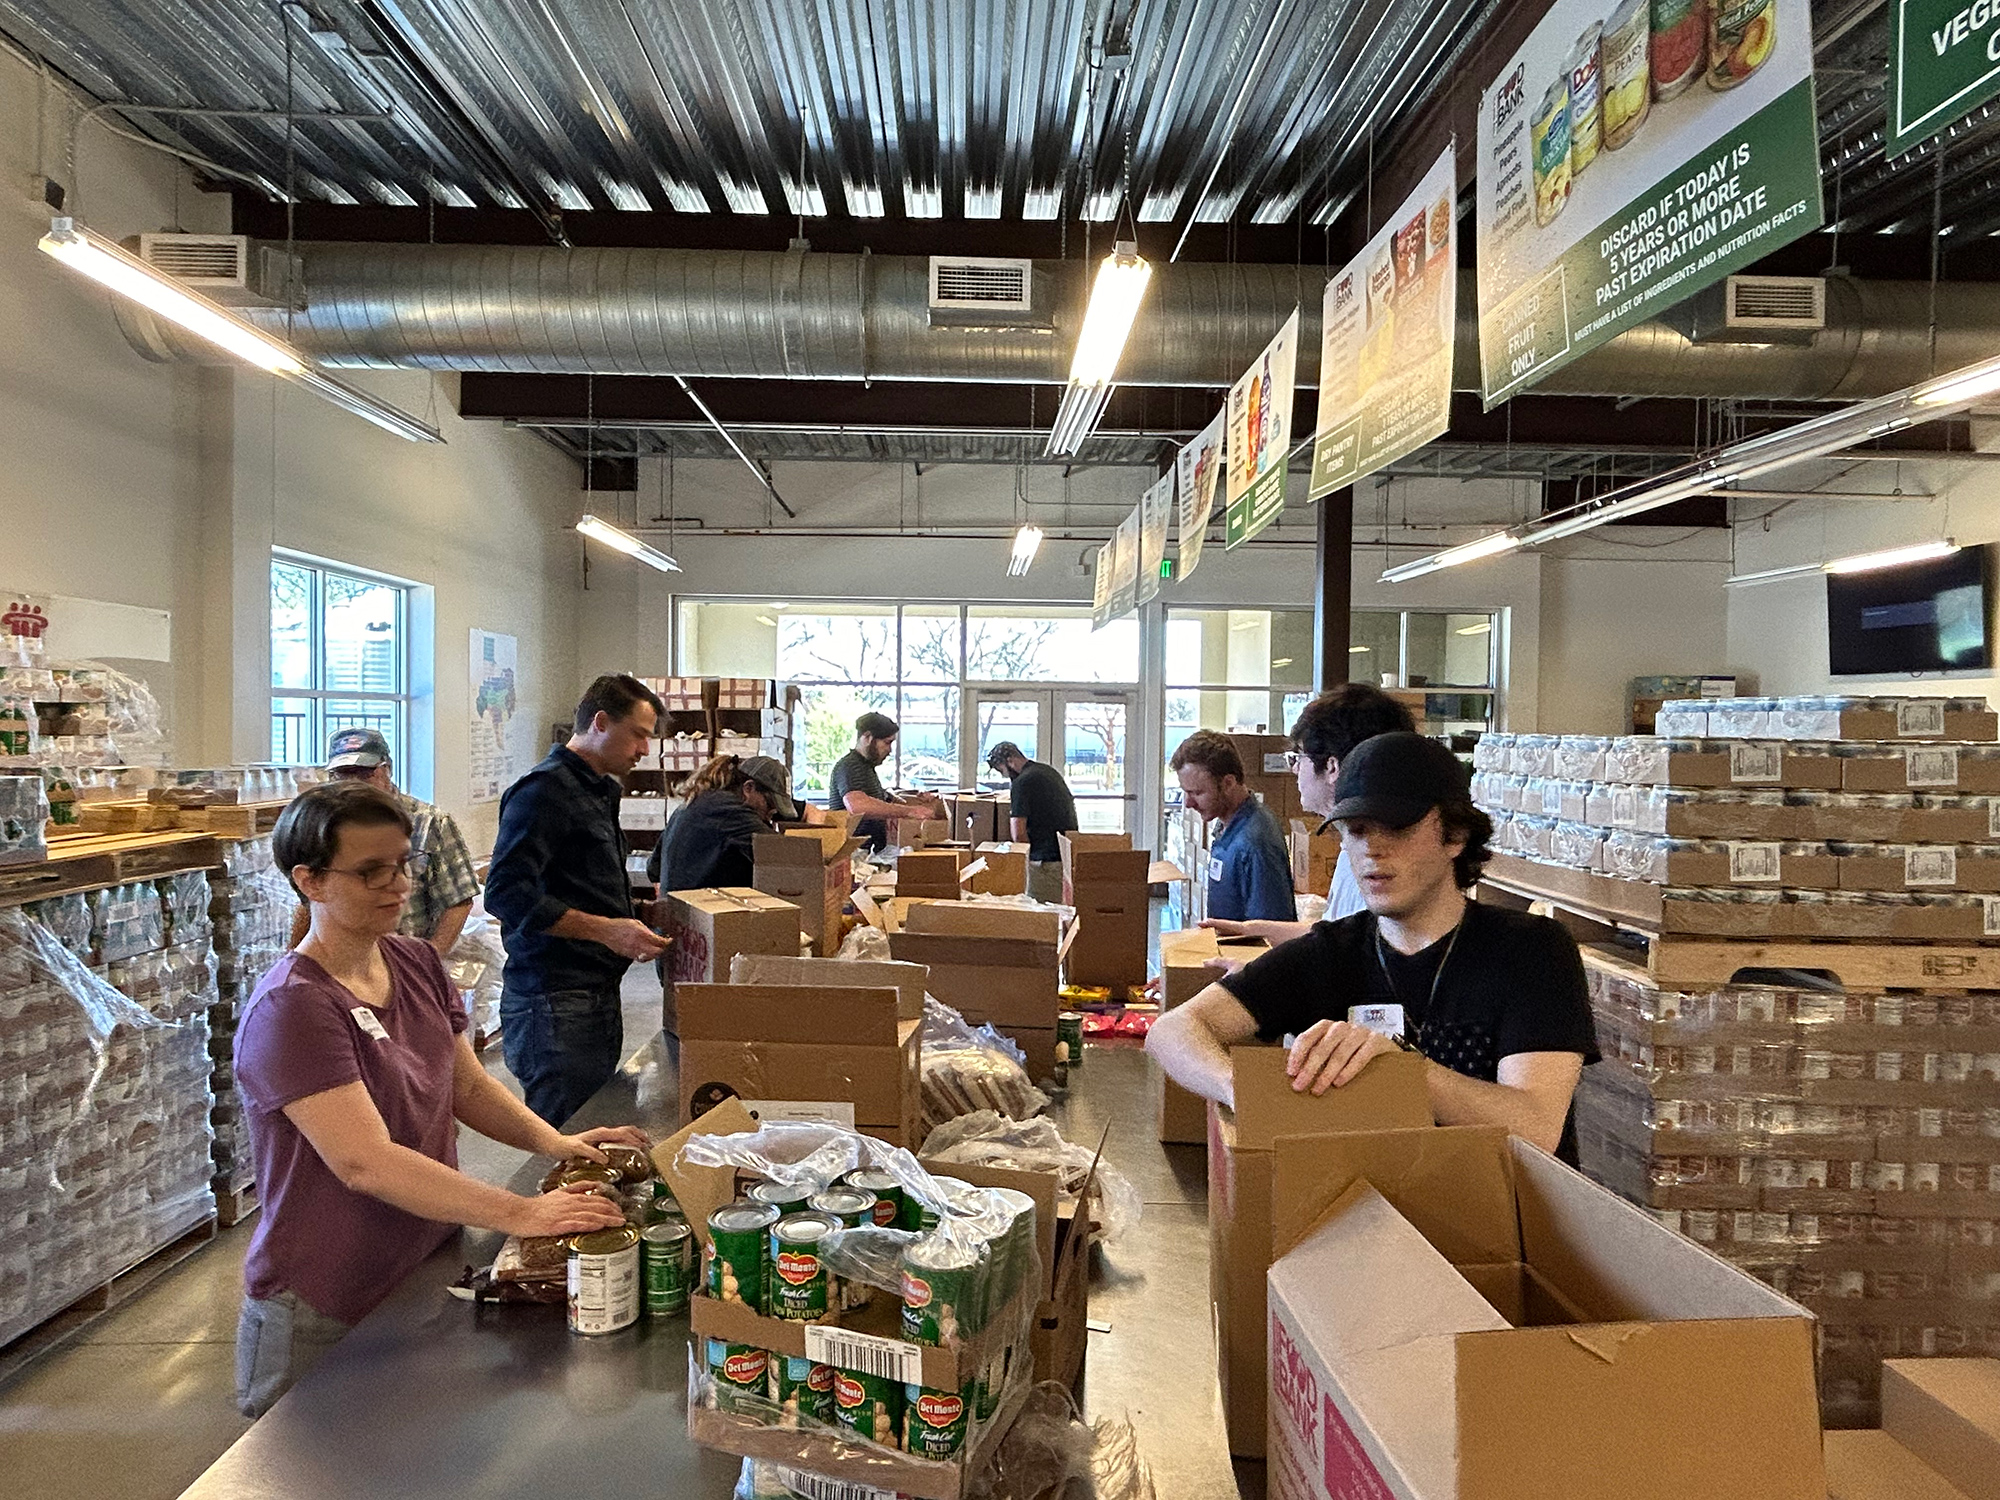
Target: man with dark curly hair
1495	999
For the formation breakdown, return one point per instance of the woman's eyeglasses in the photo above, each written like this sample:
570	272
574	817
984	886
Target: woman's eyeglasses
380	877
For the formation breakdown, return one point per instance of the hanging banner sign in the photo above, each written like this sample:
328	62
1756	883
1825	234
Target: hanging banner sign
1156	509
1100	582
1198	467
1125	566
1631	154
1260	438
1944	62
1387	328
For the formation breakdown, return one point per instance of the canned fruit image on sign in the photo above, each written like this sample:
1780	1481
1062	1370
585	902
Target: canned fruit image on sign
1680	44
869	1406
1586	96
1626	71
1548	145
1741	36
934	1422
801	1388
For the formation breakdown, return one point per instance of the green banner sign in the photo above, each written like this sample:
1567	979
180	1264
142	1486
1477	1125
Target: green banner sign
1944	62
1260	438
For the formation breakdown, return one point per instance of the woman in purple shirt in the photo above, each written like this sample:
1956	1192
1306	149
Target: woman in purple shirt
356	1074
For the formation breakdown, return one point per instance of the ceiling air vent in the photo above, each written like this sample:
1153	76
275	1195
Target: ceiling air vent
982	284
206	262
1754	310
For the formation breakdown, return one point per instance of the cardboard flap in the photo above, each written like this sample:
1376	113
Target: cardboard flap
1563	1411
700	1191
1102	859
804	846
845	1015
1388	1094
1190	947
941	950
1164	872
726	899
1455	1184
909	980
1608	1257
986	919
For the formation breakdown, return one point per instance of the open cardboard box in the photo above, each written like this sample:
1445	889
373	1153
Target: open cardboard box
1388	1095
710	927
1455	1315
993	964
1107	881
1182	1117
907	980
813	868
840	1044
931	874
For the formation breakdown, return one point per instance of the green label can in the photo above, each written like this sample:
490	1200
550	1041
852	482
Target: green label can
801	1389
1069	1038
784	1200
934	1422
888	1195
870	1406
739	1375
737	1251
853	1208
800	1283
666	1267
939	1292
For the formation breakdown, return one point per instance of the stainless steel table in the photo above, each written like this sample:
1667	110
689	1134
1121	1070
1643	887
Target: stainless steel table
432	1397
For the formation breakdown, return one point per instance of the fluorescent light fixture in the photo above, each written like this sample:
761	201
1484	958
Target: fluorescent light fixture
767	620
1894	557
114	267
1968	384
1027	542
781	604
1451	557
1281	661
1115	295
1357	650
625	542
1480	629
1771	575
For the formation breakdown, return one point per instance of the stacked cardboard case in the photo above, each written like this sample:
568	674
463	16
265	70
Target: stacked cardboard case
104	1102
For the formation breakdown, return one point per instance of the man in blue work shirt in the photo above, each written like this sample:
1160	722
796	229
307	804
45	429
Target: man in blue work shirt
558	887
1249	867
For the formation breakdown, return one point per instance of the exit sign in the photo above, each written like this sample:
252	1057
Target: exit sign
1166	567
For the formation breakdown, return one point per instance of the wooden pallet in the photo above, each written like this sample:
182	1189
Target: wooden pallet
94	860
233	1207
101	1299
240	820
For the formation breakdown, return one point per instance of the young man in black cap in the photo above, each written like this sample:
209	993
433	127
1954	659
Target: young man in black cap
1040	806
1494	998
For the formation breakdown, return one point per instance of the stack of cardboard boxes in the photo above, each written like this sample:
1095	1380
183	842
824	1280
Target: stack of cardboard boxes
1182	1117
993	964
813	868
1108	882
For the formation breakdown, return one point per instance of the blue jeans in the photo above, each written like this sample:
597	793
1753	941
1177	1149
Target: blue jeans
563	1046
277	1340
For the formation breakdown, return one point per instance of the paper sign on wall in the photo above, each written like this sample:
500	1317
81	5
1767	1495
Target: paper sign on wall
1197	469
495	699
1260	438
1156	509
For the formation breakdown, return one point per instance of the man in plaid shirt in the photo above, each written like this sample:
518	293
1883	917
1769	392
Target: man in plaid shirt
442	883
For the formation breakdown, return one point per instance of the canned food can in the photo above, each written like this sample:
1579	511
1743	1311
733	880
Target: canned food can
1586	98
800	1283
632	1165
738	1374
920	1217
663	1207
855	1209
573	1173
1741	37
940	1291
1626	68
801	1389
1548	145
1069	1037
934	1422
1680	45
888	1193
604	1280
870	1406
664	1256
1019	1256
738	1252
784	1200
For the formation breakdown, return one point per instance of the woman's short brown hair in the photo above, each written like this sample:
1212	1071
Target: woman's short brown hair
308	831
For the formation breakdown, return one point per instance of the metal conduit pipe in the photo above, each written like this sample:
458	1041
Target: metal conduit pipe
810	316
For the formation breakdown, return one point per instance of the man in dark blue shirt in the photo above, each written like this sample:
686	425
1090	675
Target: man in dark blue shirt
1249	867
559	890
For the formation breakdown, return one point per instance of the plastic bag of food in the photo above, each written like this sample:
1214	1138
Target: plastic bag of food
866	944
968	1068
988	1139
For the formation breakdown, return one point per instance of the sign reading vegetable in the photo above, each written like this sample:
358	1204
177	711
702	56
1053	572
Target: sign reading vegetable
1944	62
1629	157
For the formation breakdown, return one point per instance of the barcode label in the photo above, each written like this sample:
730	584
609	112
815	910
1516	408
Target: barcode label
1992	923
1754	864
1624	807
1752	761
1993	817
812	1486
1920	716
1923	866
870	1354
1935	765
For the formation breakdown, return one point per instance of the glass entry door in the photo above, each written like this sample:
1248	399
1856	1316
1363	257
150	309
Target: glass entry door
1082	731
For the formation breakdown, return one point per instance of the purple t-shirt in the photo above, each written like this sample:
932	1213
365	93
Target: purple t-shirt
341	1251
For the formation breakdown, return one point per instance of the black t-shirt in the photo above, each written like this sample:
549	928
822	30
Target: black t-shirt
854	772
1513	983
1042	798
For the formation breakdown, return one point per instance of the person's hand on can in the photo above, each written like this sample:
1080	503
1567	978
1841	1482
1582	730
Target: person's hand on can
583	1145
575	1209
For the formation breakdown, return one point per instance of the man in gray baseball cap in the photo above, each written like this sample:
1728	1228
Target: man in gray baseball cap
442	882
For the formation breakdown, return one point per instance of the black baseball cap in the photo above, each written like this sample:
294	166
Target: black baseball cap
1394	779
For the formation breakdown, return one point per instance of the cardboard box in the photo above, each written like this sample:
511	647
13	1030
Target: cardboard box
1182	1117
1455	1313
843	1044
1920	867
1314	855
710	927
1389	1095
931	874
1874	1466
1916	719
1106	880
993	964
813	868
1921	768
1947	1412
1006	872
1746	767
907	980
977	817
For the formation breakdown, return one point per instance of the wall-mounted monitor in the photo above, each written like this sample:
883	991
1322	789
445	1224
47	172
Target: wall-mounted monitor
1922	617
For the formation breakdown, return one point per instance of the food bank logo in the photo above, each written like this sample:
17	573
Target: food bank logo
1295	1388
25	620
1510	98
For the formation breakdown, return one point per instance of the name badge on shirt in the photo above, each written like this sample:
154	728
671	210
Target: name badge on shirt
1215	868
369	1022
1387	1019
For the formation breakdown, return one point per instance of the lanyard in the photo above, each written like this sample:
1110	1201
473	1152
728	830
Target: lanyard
1430	1005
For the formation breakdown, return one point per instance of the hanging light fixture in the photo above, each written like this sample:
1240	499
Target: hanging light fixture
1121	283
115	268
1860	562
623	541
1027	542
1485	546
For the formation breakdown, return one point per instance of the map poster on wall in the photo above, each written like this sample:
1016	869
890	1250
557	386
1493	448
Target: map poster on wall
1100	583
1387	329
1631	153
1125	567
1156	509
1260	438
1198	467
495	700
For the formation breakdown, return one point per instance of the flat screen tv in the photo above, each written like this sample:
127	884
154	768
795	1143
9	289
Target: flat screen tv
1921	617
